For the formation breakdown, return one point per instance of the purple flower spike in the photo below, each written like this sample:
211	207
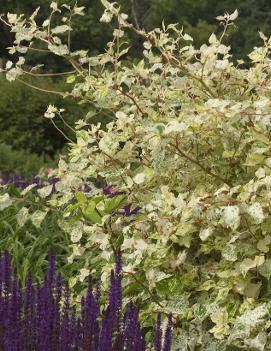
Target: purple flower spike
168	335
105	342
42	318
158	334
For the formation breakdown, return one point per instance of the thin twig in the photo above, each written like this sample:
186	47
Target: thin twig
134	14
205	169
67	124
39	50
145	288
61	131
40	89
238	145
131	98
48	74
248	227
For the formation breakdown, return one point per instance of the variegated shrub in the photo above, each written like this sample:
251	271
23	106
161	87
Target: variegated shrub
189	143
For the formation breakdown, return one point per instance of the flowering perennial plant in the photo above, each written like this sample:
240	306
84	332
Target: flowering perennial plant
22	183
41	317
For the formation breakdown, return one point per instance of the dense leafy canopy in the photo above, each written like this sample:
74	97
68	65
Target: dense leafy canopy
189	144
198	19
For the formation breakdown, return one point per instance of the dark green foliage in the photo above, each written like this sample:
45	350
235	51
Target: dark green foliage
23	125
197	17
255	15
22	162
29	245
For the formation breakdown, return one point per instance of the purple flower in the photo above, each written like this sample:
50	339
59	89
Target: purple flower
132	334
21	182
90	314
41	317
128	210
108	190
168	335
29	311
105	342
158	334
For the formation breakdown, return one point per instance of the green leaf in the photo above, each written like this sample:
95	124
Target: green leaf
258	343
231	216
90	114
228	153
76	233
246	265
185	228
229	252
70	79
37	217
61	29
256	212
59	50
252	290
207	285
72	208
5	201
205	233
265	269
263	244
114	204
22	216
26	266
254	159
178	305
98	199
45	191
81	198
91	213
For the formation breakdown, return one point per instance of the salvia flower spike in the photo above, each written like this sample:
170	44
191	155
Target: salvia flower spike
40	317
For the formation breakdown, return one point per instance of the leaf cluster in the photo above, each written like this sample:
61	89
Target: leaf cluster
189	143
